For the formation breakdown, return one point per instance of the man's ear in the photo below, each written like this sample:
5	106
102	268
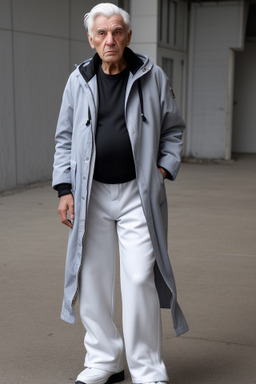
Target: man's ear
90	39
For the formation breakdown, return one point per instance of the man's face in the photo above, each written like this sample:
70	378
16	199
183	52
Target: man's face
110	37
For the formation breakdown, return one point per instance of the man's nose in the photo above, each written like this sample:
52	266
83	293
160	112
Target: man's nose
110	39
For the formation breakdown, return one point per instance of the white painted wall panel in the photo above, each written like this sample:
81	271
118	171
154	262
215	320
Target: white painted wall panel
215	28
144	29
144	26
41	69
149	50
78	10
80	51
48	17
5	14
143	7
7	129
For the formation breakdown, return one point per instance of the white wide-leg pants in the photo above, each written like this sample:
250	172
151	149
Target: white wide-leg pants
115	212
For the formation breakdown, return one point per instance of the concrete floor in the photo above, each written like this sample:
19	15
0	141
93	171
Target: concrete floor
212	240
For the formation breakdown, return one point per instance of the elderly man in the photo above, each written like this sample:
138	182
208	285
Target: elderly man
119	135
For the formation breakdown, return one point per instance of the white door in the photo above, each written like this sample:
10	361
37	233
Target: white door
172	62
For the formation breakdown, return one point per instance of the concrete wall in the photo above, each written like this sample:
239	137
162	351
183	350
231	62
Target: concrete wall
214	29
40	43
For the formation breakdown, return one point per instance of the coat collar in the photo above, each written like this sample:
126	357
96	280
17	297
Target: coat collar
89	70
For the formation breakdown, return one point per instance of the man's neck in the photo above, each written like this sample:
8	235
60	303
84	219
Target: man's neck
113	68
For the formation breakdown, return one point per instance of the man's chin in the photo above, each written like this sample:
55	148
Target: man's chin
111	57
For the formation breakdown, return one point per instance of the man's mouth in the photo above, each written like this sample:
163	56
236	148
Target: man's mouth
110	52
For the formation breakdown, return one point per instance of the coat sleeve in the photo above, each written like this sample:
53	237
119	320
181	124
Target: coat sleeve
172	127
63	139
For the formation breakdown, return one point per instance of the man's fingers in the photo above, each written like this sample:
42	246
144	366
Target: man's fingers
71	210
66	204
163	172
63	217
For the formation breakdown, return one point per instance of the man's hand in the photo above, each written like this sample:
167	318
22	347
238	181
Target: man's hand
66	204
163	172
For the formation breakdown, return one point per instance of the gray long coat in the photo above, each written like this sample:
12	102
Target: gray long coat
156	139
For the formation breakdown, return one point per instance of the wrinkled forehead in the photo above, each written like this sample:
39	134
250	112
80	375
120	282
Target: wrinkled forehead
102	22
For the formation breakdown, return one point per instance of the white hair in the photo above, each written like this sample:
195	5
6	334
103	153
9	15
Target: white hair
107	10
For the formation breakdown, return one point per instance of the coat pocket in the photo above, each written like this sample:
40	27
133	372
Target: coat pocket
160	176
73	175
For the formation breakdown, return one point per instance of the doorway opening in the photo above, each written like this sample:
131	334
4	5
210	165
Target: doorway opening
244	114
